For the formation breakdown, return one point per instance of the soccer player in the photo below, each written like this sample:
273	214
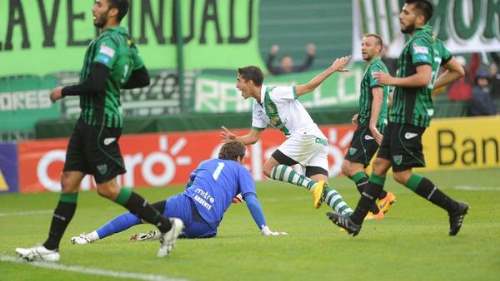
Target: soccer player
201	207
111	63
370	121
410	114
306	145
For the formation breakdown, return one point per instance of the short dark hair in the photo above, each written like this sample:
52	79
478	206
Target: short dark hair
378	38
252	73
232	150
424	6
121	5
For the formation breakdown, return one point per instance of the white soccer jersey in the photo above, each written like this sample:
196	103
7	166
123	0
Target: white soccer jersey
279	108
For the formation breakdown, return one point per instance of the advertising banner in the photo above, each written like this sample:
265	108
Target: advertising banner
8	168
161	159
47	36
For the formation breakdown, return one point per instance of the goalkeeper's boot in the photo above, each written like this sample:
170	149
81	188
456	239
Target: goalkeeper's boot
385	203
167	239
38	253
82	239
317	193
144	236
457	218
344	222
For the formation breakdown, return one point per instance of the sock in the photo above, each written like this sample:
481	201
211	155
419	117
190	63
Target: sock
62	216
382	194
361	180
93	236
427	190
287	174
118	224
368	197
137	205
336	202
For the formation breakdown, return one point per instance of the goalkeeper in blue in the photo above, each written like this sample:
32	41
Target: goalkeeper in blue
213	186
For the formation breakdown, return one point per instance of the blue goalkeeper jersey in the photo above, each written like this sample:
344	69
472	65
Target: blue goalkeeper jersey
213	186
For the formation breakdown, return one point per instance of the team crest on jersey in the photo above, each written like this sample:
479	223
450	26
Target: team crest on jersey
398	159
103	169
420	49
106	51
352	150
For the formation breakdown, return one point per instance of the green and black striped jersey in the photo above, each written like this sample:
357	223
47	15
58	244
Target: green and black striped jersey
441	57
414	105
366	96
113	49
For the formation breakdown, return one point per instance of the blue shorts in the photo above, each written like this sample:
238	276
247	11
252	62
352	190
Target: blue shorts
182	207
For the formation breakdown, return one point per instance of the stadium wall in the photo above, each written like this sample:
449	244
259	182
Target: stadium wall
168	158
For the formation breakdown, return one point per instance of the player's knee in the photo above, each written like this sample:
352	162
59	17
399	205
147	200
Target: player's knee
346	168
69	183
381	166
401	177
106	192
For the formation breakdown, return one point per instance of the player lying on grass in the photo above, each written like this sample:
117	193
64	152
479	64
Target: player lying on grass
201	207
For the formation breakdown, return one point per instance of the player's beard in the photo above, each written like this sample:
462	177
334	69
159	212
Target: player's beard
101	20
409	29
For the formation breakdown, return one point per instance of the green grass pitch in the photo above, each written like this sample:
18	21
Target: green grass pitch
411	243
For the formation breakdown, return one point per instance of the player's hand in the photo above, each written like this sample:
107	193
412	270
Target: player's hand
268	232
274	49
237	199
340	63
311	49
227	135
354	119
56	94
383	78
376	135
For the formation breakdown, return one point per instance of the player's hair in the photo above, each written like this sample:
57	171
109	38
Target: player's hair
377	37
121	5
232	150
252	73
423	6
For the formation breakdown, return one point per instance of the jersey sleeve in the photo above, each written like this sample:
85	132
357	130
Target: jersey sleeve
259	120
421	52
107	50
282	93
372	81
245	181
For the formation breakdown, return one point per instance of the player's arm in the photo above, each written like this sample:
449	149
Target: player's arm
338	65
378	96
138	79
252	137
454	71
255	209
421	78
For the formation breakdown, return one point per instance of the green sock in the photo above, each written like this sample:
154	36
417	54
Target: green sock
336	202
360	179
287	174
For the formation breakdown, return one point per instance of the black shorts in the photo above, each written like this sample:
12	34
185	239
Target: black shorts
95	151
363	146
402	145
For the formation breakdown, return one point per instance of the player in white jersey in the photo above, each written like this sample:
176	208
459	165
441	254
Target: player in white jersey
306	145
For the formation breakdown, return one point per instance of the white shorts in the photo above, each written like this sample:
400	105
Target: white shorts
307	150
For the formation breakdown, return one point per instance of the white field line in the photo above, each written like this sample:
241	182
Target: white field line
477	188
90	270
27	213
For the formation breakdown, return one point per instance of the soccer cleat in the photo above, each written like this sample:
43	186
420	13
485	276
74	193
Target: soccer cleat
81	239
317	193
38	253
457	218
167	240
372	216
143	236
385	203
345	223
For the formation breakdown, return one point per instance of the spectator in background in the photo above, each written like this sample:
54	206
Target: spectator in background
495	77
481	102
286	63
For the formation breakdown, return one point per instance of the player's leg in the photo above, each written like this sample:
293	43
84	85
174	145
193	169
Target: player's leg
74	170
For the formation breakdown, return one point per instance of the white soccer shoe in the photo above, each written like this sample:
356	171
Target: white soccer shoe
38	253
167	240
145	236
81	239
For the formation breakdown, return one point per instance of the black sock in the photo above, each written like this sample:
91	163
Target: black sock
368	197
427	190
382	194
62	216
137	205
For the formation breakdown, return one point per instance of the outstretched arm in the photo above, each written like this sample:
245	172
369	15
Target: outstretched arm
338	65
252	137
255	209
